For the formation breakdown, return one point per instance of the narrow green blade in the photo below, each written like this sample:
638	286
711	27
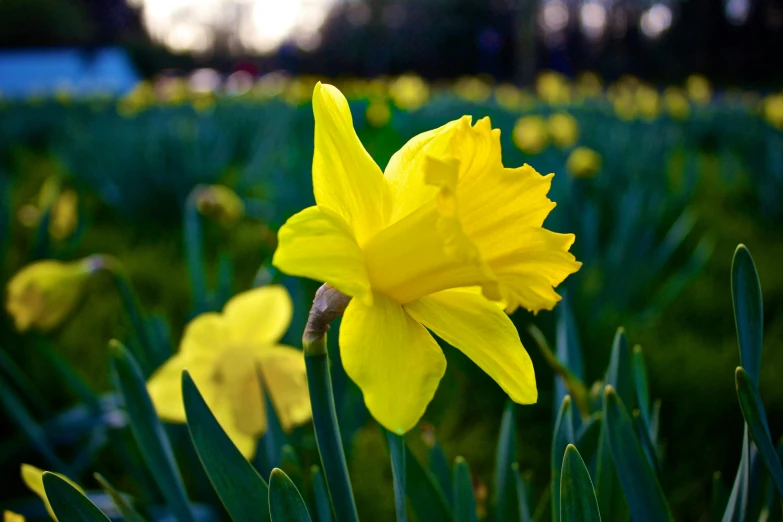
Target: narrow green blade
120	501
241	489
323	508
285	502
737	505
68	503
619	374
748	311
424	493
756	418
397	454
464	499
505	495
641	387
523	495
641	488
148	431
562	438
577	496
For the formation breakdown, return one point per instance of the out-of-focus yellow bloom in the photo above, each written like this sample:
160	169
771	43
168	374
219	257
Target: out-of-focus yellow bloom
563	130
624	104
142	96
773	110
63	206
589	85
298	90
270	86
10	516
583	162
553	88
648	102
219	203
699	89
224	354
530	134
33	479
203	102
172	91
676	102
472	89
437	242
409	92
509	96
42	294
378	113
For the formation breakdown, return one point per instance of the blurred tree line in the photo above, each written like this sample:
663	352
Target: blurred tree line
447	38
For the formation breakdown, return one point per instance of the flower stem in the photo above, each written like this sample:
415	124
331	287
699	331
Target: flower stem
328	305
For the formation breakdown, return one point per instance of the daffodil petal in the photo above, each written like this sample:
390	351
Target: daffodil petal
405	172
165	384
318	244
345	177
393	359
259	316
33	479
477	327
285	379
205	334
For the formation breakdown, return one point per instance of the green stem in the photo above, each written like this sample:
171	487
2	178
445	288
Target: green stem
327	431
194	251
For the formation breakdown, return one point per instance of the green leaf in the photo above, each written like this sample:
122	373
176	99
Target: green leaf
748	311
68	503
505	495
641	387
289	462
562	438
240	488
619	373
323	508
523	494
589	435
568	352
148	431
719	496
756	418
464	499
737	505
439	467
641	488
285	502
577	496
121	501
424	493
397	454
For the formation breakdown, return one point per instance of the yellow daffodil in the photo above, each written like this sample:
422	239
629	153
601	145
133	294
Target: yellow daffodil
42	294
699	89
773	110
563	130
583	162
472	89
553	88
435	243
512	98
647	102
220	203
378	113
225	353
409	92
10	516
530	134
63	208
33	479
589	85
142	96
676	102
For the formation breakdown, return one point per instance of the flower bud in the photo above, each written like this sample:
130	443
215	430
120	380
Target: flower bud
583	162
220	203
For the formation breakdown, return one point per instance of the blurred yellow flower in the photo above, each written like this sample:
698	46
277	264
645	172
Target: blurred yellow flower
378	113
530	134
583	162
553	88
42	294
624	105
676	102
225	353
589	85
142	96
10	516
33	479
63	206
773	110
512	98
438	242
648	102
699	89
203	102
472	89
219	203
563	130
409	92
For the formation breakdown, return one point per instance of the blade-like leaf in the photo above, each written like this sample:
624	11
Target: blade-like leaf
148	431
120	501
562	438
285	502
748	311
68	503
756	419
523	494
568	352
424	493
640	385
577	496
240	488
464	499
641	488
323	508
619	374
397	454
719	496
737	505
436	460
506	454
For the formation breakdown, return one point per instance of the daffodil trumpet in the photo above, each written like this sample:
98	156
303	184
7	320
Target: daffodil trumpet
328	305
